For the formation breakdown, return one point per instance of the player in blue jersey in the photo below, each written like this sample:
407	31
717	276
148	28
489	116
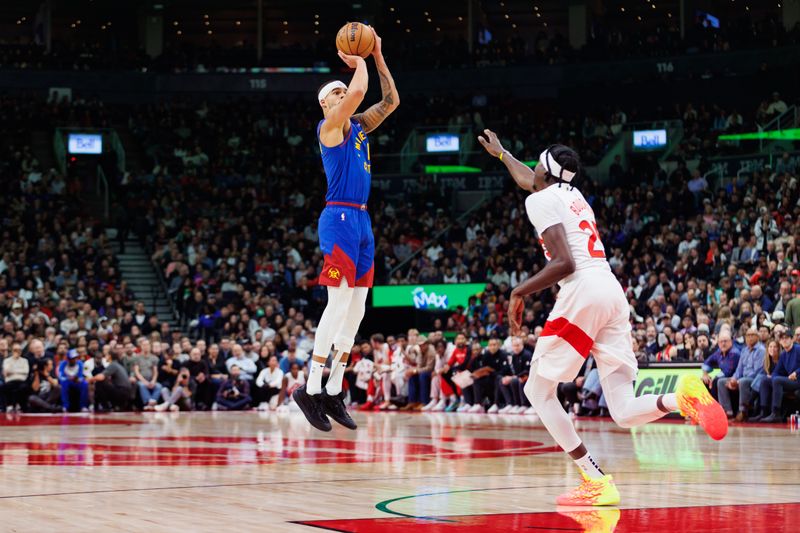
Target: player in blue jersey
345	231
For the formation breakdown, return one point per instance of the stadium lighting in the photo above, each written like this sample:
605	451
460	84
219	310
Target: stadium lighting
451	169
792	134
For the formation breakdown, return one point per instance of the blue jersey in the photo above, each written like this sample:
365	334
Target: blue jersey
347	166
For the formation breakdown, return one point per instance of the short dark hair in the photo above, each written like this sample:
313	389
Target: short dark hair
378	337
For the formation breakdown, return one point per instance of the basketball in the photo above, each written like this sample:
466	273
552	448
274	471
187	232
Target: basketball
355	38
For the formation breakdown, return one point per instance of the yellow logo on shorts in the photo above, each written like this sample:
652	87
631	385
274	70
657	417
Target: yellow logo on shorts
334	273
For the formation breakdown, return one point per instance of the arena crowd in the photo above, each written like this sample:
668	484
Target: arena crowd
710	269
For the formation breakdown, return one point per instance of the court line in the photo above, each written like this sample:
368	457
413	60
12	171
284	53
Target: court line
393	478
325	528
254	484
383	506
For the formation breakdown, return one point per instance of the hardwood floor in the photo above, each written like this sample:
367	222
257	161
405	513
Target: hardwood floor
398	472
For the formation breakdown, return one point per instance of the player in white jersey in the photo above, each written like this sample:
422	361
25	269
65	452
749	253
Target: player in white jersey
591	315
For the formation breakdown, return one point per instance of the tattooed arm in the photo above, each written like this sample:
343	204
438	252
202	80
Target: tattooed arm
375	115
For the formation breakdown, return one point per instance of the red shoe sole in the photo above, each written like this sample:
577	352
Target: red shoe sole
714	420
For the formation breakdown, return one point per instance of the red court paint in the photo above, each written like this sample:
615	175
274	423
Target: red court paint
66	420
760	518
196	451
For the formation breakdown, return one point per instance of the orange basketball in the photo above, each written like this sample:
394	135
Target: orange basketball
355	38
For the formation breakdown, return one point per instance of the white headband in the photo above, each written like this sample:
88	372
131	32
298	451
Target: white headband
553	168
326	90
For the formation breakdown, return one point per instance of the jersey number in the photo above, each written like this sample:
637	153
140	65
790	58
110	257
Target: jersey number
594	236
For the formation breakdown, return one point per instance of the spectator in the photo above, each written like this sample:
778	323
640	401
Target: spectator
300	356
765	230
200	374
291	381
784	376
15	374
750	366
45	389
419	375
569	393
247	367
763	382
725	357
776	106
507	383
145	369
268	385
359	374
168	364
592	399
288	359
458	361
180	397
484	373
71	378
438	401
792	313
234	393
112	387
216	365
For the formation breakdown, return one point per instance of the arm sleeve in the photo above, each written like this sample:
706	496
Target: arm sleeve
262	376
739	369
711	362
430	362
780	368
543	211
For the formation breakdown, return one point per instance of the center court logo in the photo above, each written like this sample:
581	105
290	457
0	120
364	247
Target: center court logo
424	300
334	273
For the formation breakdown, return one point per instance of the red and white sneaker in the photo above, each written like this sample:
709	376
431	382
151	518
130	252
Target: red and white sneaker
696	402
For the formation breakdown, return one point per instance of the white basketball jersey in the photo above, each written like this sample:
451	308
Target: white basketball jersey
566	205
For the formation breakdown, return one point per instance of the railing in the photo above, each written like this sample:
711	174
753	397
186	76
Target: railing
457	222
149	248
720	181
787	119
116	145
102	189
60	151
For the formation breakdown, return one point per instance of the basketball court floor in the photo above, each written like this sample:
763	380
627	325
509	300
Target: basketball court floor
398	473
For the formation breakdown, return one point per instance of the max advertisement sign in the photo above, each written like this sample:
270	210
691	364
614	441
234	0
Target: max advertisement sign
438	297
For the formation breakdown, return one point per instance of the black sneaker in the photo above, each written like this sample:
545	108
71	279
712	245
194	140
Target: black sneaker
312	408
334	408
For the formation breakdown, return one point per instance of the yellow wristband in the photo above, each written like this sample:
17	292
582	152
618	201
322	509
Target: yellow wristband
500	157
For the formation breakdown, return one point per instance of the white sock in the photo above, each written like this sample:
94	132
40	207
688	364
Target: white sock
589	467
334	385
314	383
670	401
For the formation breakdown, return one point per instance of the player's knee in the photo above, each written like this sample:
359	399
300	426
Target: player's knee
623	420
358	304
339	301
537	395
